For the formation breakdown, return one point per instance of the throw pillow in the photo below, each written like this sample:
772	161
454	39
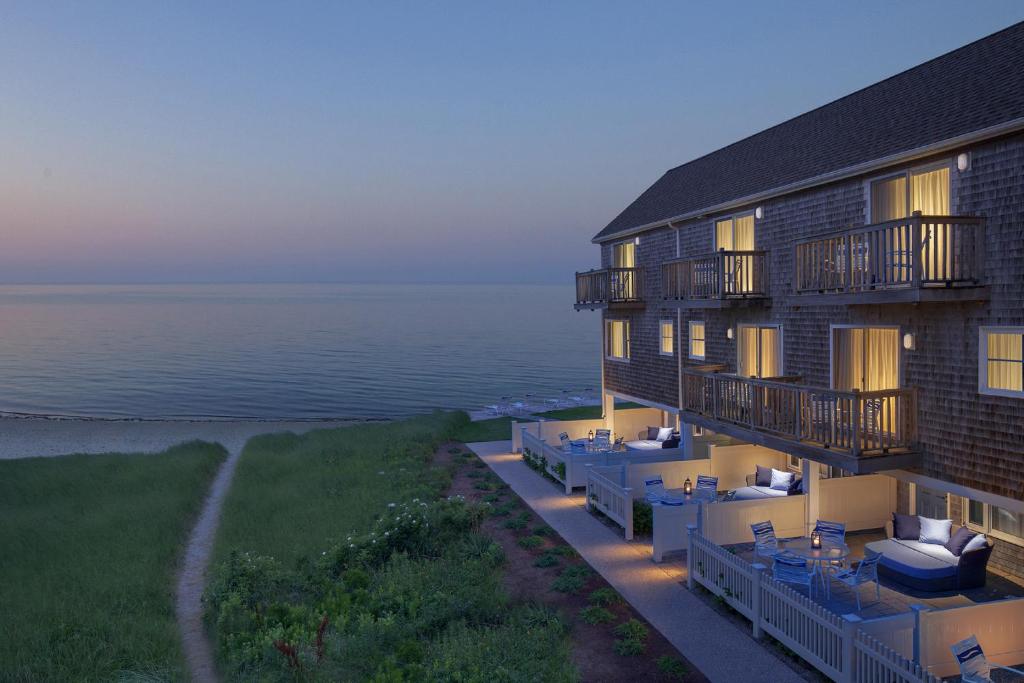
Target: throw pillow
797	487
671	443
976	543
906	527
959	539
652	433
763	476
781	480
935	530
664	433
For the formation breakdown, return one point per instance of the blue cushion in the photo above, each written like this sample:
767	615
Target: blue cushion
791	560
909	558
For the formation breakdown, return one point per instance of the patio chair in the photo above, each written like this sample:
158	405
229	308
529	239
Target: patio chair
974	666
603	439
566	442
654	492
834	533
578	447
788	568
706	483
766	545
866	572
603	432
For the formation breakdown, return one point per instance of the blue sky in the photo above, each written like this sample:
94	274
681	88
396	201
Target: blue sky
406	142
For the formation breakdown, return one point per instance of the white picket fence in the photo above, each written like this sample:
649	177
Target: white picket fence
833	644
608	492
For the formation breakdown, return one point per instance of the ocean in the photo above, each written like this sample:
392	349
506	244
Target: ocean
287	350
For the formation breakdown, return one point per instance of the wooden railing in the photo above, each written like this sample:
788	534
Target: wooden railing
609	286
608	492
858	422
722	275
918	251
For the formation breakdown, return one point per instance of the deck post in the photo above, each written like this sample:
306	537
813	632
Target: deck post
847	672
757	573
811	472
916	249
586	499
627	512
691	530
918	609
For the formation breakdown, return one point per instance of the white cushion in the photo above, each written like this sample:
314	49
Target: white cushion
935	530
664	433
976	543
781	481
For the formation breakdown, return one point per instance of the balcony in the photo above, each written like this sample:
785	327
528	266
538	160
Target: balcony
860	431
718	280
911	260
612	288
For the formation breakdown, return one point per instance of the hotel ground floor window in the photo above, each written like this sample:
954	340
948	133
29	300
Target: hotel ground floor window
1007	525
616	339
697	339
760	351
668	333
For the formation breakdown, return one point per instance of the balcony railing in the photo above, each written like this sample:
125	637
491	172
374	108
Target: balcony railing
608	286
854	423
721	275
915	252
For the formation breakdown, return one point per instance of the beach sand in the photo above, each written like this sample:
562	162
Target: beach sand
27	437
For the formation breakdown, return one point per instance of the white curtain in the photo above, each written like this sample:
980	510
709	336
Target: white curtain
889	199
1006	361
771	352
865	358
747	360
624	255
847	358
760	351
724	235
697	339
929	194
617	332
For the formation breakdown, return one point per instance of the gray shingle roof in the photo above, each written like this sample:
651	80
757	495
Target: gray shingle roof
969	89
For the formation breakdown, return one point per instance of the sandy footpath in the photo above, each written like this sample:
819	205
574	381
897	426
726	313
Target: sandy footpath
26	437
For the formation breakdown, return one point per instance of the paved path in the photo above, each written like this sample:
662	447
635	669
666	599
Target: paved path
713	644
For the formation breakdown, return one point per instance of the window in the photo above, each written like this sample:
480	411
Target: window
624	255
994	521
931	503
1001	361
697	339
735	234
760	351
865	358
925	190
616	339
668	333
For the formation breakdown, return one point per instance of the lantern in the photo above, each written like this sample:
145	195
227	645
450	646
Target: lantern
590	435
816	540
687	487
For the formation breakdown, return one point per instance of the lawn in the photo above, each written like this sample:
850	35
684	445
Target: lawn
494	429
583	412
89	546
339	559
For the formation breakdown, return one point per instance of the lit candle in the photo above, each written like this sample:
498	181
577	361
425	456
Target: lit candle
815	540
687	487
590	435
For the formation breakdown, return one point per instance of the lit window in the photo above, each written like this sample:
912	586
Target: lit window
668	333
697	339
617	339
1001	361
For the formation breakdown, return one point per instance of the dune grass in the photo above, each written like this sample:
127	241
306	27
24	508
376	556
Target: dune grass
493	429
340	560
89	545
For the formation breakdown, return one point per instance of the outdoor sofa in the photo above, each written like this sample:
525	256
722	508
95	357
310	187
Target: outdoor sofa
927	564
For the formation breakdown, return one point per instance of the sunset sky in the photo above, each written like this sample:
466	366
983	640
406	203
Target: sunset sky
405	142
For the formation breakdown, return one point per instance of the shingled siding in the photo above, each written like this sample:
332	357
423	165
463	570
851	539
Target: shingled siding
968	439
648	375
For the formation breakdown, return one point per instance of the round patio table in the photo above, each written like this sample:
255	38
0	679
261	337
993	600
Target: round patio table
818	557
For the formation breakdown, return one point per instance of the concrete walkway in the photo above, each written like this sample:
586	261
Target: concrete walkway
714	645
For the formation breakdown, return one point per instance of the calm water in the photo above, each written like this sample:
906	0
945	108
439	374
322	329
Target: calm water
299	351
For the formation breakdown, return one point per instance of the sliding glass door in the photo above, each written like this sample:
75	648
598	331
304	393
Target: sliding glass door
760	351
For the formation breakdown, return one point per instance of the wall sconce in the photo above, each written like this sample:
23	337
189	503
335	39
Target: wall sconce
909	342
687	487
636	241
963	161
758	213
816	539
729	333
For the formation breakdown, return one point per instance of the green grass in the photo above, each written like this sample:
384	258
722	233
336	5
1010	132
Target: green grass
293	494
583	412
89	545
494	429
319	572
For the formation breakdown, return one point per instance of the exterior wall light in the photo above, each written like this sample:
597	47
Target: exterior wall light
909	342
758	213
729	333
963	161
636	241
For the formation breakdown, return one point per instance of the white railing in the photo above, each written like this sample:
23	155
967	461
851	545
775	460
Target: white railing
833	644
608	491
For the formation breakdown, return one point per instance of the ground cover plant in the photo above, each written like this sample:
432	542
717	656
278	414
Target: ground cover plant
494	429
90	546
390	580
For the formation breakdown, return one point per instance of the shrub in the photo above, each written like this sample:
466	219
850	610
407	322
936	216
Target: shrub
546	560
543	531
530	542
632	630
491	498
565	551
483	485
572	579
476	474
629	648
515	523
596	615
559	469
605	597
672	667
643	517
